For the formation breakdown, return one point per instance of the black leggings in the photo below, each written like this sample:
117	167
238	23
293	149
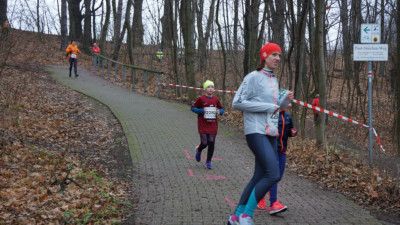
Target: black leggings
207	140
75	62
266	171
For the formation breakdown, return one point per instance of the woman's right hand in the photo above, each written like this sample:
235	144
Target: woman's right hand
290	96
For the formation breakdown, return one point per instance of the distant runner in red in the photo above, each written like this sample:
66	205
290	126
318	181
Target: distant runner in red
96	50
315	102
207	122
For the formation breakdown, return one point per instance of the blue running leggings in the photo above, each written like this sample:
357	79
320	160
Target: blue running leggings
207	140
266	172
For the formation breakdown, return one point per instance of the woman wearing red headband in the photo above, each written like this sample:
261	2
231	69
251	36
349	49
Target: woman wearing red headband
258	99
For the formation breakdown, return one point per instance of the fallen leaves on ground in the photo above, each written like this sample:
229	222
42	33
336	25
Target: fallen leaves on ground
54	150
341	170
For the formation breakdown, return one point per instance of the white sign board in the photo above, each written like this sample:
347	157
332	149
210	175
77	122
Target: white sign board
370	52
370	34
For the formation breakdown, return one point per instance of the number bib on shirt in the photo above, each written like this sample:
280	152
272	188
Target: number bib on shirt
73	56
210	112
273	119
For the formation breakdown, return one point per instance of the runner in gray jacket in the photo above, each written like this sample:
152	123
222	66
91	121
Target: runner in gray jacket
258	98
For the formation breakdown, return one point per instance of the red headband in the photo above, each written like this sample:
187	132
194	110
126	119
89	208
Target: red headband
268	49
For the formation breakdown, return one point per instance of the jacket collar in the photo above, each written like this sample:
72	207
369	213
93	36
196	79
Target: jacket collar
269	73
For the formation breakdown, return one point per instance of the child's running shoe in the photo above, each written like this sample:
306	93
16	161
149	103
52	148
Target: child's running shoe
231	222
198	154
246	219
277	208
208	165
261	204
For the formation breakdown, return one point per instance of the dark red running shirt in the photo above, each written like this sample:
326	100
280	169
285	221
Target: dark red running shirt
207	126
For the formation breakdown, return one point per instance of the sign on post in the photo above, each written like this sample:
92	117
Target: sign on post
370	52
370	34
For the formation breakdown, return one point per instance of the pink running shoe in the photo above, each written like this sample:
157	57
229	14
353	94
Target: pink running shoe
261	204
277	208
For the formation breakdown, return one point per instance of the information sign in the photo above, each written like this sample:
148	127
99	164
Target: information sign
370	52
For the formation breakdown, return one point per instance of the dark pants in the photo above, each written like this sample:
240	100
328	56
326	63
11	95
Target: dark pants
273	192
266	172
75	62
207	140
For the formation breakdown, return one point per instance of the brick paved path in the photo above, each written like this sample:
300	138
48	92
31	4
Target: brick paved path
175	189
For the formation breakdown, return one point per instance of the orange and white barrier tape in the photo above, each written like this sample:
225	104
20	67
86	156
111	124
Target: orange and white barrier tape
297	102
339	116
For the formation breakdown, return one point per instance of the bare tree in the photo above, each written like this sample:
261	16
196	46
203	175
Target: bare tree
223	52
250	34
129	30
236	25
75	19
117	14
300	62
87	31
203	39
63	22
320	64
277	9
187	24
137	23
3	11
105	26
166	39
398	78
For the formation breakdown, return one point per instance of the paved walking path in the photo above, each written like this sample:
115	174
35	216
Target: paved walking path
175	189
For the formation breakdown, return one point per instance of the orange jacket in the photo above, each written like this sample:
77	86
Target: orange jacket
72	49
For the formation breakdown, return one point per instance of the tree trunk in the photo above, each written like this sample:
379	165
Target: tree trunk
137	23
278	21
94	21
174	25
63	22
250	35
203	40
166	39
235	25
129	31
87	28
320	64
347	43
75	20
187	25
3	12
105	27
38	17
117	13
221	40
398	80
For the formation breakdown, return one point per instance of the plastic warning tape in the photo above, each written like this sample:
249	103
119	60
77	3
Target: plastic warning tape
196	88
297	102
339	116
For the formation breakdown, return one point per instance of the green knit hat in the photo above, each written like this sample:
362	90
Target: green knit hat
207	83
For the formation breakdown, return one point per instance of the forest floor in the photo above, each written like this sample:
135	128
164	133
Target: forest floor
52	128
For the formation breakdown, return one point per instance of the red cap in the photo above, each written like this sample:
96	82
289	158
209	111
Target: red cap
268	49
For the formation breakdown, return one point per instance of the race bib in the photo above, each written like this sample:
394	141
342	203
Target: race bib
210	112
273	119
73	56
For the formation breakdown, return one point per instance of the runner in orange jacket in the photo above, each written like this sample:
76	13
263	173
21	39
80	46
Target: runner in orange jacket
73	51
